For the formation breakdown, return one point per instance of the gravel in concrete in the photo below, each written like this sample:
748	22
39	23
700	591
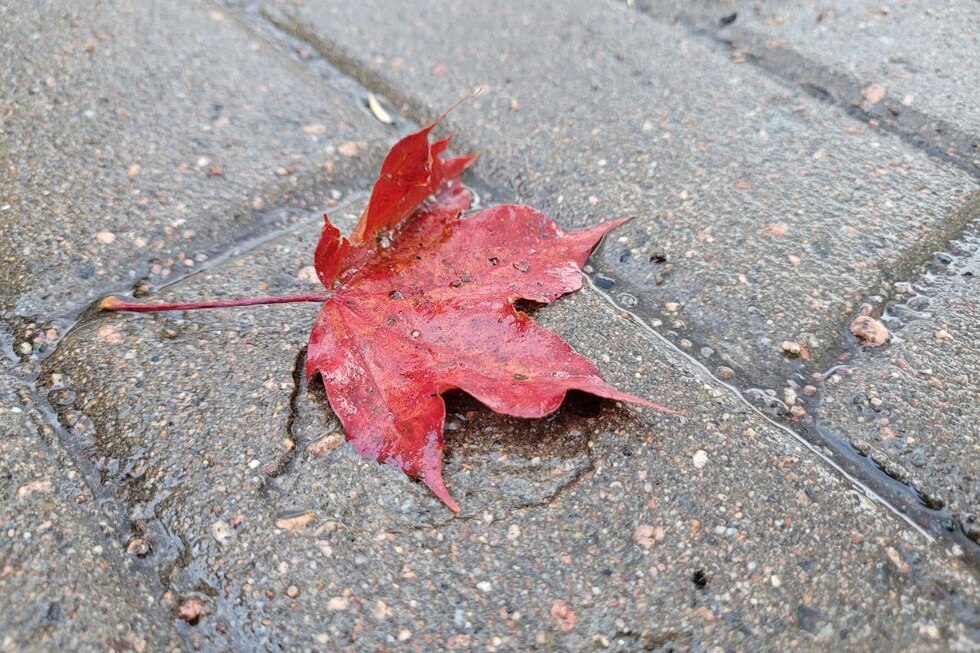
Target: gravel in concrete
66	583
603	528
762	215
912	404
228	512
907	57
139	139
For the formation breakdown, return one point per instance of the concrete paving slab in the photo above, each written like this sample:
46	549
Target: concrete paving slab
909	65
912	404
139	139
66	583
762	215
603	528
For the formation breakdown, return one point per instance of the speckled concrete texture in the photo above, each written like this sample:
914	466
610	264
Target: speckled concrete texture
912	404
603	527
761	214
137	140
171	481
908	63
66	583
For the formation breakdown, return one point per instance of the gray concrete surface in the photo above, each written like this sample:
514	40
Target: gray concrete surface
66	582
220	508
912	404
762	215
911	64
582	532
137	140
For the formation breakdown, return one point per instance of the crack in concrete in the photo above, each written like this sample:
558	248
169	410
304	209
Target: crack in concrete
550	498
285	461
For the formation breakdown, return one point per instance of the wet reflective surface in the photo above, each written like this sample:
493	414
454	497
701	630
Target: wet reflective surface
911	406
223	493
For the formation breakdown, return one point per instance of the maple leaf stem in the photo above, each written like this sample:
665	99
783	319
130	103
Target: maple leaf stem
115	304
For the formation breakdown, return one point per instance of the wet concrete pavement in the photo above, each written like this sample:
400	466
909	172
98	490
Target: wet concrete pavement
908	66
910	406
788	508
726	248
139	141
67	582
592	527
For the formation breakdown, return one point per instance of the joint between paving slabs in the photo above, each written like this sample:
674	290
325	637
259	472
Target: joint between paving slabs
934	136
268	46
946	142
53	436
965	220
48	420
874	472
414	109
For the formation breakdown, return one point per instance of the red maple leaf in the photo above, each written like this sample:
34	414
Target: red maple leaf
420	301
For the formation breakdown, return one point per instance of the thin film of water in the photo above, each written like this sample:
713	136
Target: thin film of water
867	491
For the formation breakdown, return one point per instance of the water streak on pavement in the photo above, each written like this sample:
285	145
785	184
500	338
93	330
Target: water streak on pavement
827	459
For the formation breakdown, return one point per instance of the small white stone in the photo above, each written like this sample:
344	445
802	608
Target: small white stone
105	237
929	630
774	579
338	604
221	531
700	458
484	586
307	274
